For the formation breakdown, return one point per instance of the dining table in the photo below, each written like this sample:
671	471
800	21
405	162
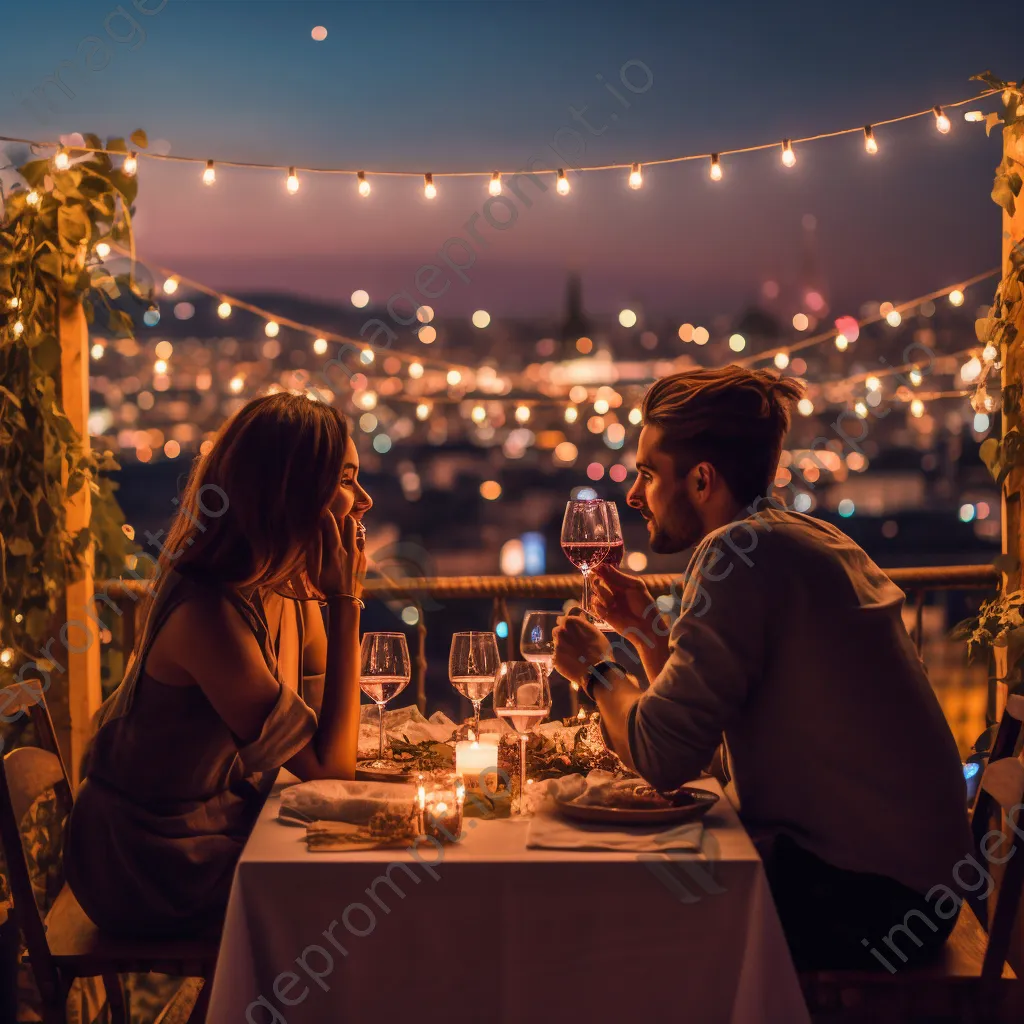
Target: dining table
489	929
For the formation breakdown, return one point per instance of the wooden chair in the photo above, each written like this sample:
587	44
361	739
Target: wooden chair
971	980
62	943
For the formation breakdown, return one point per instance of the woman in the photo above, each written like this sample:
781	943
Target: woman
233	677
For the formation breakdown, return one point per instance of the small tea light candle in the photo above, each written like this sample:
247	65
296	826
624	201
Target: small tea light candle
476	760
441	796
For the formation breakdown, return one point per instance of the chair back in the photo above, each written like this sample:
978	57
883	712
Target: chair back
35	801
992	803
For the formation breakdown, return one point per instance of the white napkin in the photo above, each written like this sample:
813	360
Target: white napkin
337	800
401	724
550	831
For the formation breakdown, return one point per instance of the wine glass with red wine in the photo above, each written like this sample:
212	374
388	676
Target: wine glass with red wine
586	540
384	671
615	547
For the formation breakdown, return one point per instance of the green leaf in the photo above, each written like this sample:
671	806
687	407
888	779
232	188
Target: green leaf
74	226
991	120
117	145
990	453
1002	195
140	138
20	547
983	328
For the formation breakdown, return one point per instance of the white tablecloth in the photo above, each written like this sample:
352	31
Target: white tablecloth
489	930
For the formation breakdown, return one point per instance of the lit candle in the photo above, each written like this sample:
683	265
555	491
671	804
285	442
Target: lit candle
441	795
476	760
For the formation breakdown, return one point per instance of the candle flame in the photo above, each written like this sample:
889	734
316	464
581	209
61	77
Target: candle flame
582	714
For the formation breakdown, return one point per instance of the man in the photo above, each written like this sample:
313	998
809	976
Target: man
790	645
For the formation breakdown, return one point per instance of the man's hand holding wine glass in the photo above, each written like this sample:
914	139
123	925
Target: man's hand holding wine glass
623	601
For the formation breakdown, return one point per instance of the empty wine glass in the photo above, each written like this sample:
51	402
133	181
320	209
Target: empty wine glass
384	671
615	549
472	664
523	698
586	539
536	642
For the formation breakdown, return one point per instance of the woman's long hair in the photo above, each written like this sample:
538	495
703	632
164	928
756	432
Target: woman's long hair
253	503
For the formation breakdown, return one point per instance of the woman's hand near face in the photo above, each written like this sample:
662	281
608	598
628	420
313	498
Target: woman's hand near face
337	563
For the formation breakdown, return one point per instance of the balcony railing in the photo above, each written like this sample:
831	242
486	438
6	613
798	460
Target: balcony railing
419	591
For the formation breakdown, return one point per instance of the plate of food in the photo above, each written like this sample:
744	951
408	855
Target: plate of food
634	802
385	771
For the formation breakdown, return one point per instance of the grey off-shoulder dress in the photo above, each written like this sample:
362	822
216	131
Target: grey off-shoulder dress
170	795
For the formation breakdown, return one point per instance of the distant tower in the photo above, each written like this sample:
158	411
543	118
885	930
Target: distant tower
575	325
813	293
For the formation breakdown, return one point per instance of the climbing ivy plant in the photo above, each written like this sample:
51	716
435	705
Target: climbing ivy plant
62	213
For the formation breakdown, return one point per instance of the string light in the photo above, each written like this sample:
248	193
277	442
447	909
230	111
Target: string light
170	286
781	360
915	377
454	378
62	160
861	410
941	120
237	383
131	164
636	179
956	297
788	156
363	185
18	328
894	318
429	189
494	185
210	174
32	198
716	168
224	310
272	329
974	115
320	346
636	417
842	342
415	370
292	182
873	384
522	414
990	353
870	143
479	414
422	411
562	183
571	414
917	408
102	250
805	407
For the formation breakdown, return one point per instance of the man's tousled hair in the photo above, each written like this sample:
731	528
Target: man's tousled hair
730	416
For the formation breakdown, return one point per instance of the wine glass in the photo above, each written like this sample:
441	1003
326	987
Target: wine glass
536	642
523	698
472	664
585	539
615	550
384	671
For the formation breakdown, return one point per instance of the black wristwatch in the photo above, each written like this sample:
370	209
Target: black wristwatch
598	676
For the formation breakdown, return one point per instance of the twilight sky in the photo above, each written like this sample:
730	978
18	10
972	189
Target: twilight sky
433	86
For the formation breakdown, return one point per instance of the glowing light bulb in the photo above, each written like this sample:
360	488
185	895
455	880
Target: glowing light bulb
429	189
210	174
292	182
102	250
716	168
974	115
861	410
737	342
870	142
956	297
522	413
917	408
601	406
363	185
18	328
842	342
320	346
97	351
781	360
14	302
915	377
236	384
224	310
422	411
941	121
494	185
170	286
636	179
454	378
990	353
873	384
415	370
131	164
62	161
479	414
788	156
971	370
562	183
32	198
894	318
805	407
272	329
571	414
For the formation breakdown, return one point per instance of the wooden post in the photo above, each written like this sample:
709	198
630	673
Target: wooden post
79	632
